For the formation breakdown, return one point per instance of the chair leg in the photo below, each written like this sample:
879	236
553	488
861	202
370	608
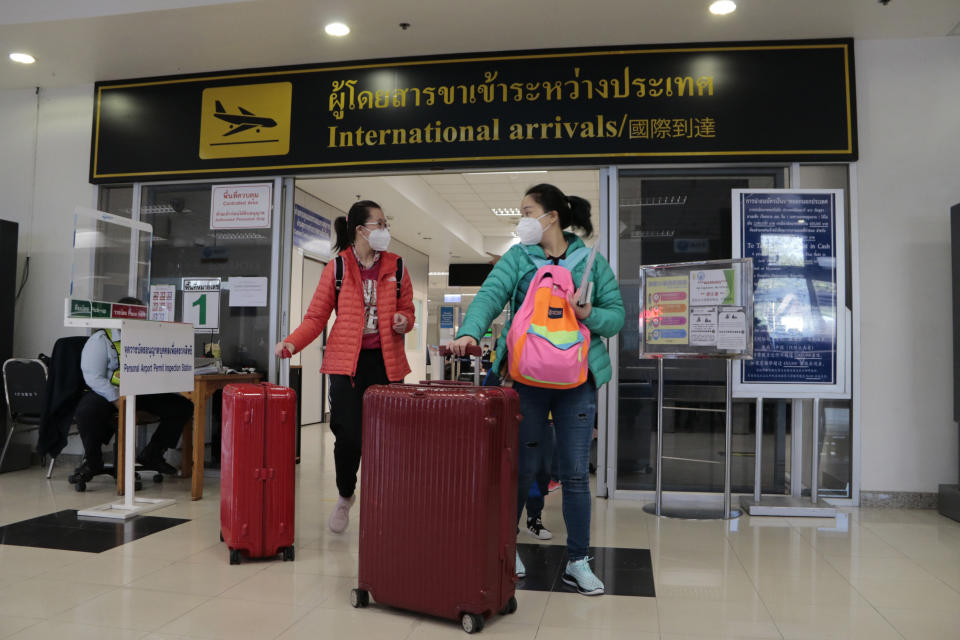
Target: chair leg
6	445
53	461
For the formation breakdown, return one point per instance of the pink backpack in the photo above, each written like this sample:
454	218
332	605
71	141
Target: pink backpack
547	346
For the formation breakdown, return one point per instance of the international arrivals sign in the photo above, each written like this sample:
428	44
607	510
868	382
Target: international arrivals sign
770	101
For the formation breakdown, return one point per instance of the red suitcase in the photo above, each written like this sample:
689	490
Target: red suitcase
257	470
438	518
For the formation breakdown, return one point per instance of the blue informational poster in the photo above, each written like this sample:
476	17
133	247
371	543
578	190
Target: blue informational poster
446	317
793	239
311	231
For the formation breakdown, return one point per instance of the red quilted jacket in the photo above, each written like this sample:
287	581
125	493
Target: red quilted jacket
343	343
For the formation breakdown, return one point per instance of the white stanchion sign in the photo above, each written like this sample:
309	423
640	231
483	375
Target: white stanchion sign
156	357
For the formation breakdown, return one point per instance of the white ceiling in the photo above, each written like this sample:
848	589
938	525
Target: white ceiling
78	41
448	216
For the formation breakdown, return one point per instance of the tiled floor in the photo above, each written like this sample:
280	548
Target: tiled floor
868	574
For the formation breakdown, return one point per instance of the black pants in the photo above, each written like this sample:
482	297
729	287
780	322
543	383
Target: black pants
346	415
96	420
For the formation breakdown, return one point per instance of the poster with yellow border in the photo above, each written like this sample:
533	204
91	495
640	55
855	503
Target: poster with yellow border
667	310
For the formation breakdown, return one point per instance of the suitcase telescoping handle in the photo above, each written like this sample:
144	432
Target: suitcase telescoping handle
285	367
472	350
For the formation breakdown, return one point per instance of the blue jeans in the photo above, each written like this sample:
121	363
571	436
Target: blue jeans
545	470
573	416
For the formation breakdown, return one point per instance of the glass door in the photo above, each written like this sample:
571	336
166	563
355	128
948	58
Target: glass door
667	217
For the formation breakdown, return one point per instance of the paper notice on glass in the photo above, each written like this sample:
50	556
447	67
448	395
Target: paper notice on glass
712	287
732	329
703	326
248	292
162	299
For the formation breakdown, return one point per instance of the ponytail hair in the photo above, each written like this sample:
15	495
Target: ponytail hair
346	226
573	211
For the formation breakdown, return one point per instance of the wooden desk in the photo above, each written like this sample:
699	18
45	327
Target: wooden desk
194	432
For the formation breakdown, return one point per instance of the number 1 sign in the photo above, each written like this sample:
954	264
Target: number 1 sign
201	303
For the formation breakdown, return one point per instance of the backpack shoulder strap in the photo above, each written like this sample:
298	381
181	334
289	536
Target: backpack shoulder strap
399	275
338	278
575	258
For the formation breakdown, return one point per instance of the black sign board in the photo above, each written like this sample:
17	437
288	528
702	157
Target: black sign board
778	101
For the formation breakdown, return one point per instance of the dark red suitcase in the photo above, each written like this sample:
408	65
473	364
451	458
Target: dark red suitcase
257	470
438	500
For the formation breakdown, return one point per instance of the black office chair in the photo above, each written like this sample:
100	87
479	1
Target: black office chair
24	386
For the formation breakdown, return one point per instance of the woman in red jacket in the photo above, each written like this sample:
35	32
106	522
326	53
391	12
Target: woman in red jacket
366	344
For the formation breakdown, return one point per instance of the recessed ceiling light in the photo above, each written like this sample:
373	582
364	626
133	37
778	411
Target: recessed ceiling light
337	29
723	7
23	58
506	212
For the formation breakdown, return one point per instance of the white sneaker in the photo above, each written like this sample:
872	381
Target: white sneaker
341	514
521	570
579	576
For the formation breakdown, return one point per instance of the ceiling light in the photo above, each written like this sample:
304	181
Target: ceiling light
723	7
337	29
23	58
506	212
439	273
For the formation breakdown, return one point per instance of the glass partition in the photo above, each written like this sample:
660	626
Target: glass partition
186	247
669	217
111	257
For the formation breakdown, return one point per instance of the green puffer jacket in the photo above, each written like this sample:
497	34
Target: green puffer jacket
511	276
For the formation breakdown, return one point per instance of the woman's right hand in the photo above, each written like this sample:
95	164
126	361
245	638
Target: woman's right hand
281	346
459	346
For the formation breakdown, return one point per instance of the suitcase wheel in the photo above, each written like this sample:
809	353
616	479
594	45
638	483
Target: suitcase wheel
158	477
80	486
288	553
221	535
359	598
510	607
234	556
471	622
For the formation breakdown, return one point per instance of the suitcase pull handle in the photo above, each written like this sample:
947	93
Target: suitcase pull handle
248	416
283	416
263	473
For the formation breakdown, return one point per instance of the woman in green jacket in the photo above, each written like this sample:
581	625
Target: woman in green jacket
546	212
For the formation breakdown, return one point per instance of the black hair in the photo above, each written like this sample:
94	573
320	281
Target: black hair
573	211
346	226
130	300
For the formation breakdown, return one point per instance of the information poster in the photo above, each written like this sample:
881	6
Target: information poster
794	238
162	299
667	310
711	287
446	324
731	329
248	292
241	206
311	231
703	326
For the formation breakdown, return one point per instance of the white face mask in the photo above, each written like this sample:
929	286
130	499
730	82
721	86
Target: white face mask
530	231
379	239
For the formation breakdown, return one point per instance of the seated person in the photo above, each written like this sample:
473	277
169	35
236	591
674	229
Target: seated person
96	414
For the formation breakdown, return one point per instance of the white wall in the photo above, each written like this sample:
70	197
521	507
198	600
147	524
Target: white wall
908	101
45	210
